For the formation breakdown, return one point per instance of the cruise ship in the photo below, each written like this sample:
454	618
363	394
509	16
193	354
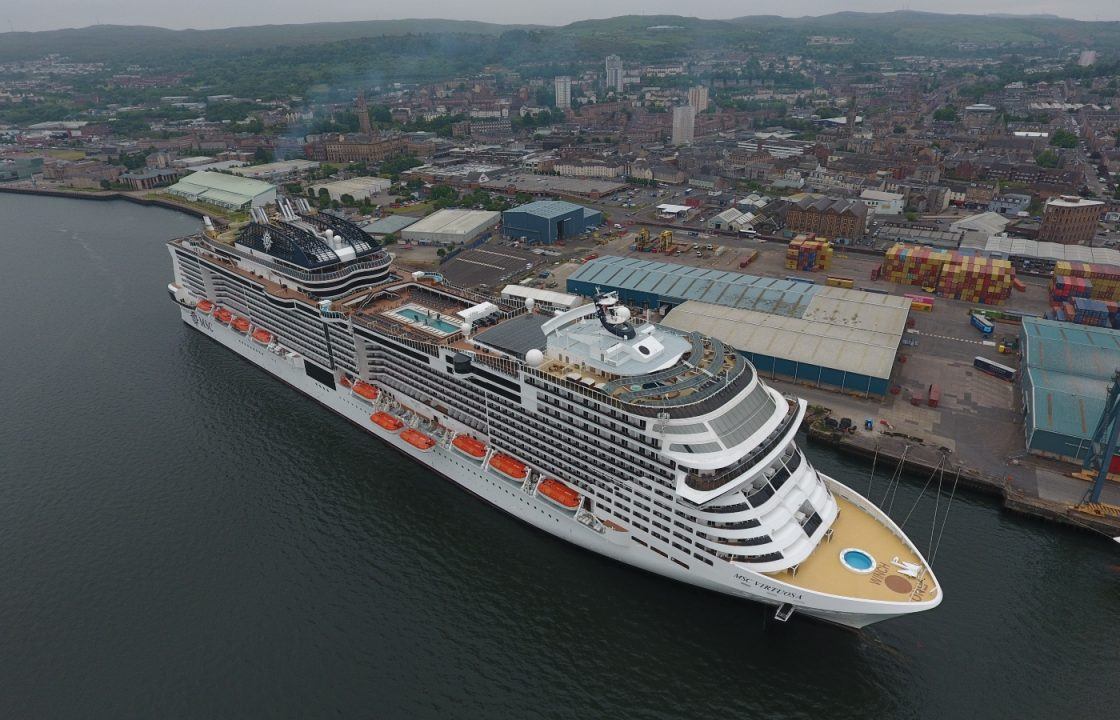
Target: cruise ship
659	449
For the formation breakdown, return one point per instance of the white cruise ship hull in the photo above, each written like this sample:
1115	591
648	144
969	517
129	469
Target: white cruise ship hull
725	577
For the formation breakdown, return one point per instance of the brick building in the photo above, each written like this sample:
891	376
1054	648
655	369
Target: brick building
828	217
1070	220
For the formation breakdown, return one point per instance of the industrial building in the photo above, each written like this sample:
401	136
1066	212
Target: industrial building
386	226
825	336
451	227
275	171
1041	256
359	188
224	191
546	221
1064	377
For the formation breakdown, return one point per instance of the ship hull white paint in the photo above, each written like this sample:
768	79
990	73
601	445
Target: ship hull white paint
724	577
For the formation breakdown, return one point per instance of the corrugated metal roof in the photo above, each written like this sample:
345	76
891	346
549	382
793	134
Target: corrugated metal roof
844	345
1068	369
227	183
676	283
1071	349
547	208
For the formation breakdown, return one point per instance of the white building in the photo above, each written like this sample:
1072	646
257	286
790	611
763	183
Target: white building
224	191
563	85
614	73
450	227
883	203
684	124
698	97
359	188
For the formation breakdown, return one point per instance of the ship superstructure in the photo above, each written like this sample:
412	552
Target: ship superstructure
661	449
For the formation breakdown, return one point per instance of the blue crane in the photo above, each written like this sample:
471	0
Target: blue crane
1103	445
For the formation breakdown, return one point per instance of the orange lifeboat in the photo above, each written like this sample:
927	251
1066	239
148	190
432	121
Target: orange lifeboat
469	446
262	336
418	439
223	316
366	390
559	493
204	306
240	324
511	468
387	421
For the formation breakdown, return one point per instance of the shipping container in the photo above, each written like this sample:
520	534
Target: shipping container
840	282
934	395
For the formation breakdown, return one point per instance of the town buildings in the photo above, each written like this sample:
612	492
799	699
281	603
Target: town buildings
614	73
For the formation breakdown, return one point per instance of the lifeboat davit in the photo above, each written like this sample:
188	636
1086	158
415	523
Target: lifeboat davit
240	324
223	316
262	336
559	493
469	446
389	422
344	381
366	390
511	468
204	306
418	439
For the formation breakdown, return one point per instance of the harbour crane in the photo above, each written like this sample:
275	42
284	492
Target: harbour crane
1102	447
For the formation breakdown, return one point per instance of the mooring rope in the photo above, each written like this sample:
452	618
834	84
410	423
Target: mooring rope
945	520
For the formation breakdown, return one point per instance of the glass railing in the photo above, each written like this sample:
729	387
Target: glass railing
703	482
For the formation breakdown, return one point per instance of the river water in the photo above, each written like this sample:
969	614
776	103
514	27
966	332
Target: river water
183	536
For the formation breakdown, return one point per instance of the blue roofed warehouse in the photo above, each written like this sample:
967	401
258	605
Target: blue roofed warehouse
820	336
1065	373
546	221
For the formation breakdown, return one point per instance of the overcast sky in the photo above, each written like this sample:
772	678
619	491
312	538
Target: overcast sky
51	14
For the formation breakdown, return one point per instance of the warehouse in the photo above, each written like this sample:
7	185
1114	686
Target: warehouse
451	227
1065	373
828	337
1033	255
276	171
546	221
224	191
359	188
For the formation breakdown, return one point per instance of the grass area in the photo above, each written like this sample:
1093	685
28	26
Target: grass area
64	154
419	209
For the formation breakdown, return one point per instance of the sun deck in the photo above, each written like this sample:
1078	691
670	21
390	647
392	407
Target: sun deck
823	571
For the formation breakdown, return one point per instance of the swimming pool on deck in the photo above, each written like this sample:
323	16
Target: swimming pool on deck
425	319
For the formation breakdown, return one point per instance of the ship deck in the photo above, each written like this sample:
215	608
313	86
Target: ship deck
823	571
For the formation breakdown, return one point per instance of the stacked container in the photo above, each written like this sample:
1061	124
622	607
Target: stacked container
1104	279
808	254
909	265
1064	288
975	279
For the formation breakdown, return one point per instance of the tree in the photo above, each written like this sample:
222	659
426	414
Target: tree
347	199
262	155
1063	139
1046	159
948	113
324	193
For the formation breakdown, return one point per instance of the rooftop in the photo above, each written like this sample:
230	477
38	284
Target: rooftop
200	182
547	208
454	222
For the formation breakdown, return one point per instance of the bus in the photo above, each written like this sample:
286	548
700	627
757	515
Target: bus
993	368
982	324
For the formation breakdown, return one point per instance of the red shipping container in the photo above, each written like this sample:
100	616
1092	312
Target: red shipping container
934	395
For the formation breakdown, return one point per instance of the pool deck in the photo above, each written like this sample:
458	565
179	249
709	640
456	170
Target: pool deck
853	528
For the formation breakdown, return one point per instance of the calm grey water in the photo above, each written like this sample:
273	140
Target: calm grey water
183	536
